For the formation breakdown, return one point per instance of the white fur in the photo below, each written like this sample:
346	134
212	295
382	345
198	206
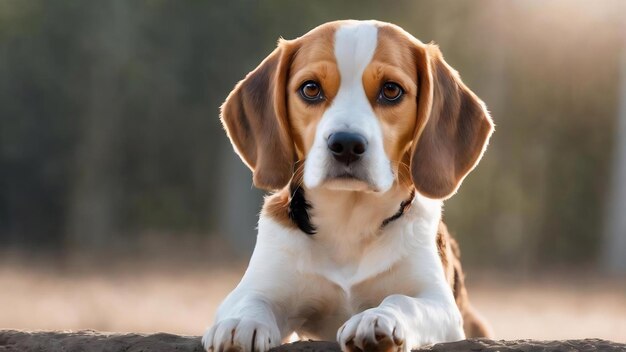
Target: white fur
352	280
313	285
351	111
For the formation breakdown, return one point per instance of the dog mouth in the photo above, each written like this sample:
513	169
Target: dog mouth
348	180
347	173
347	176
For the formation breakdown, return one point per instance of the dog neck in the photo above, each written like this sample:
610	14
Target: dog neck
357	214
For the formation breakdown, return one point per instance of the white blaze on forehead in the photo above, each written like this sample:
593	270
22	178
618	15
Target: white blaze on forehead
355	44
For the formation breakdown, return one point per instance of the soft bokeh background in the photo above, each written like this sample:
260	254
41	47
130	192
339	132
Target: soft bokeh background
123	207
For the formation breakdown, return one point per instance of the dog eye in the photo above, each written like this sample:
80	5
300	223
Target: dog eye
390	92
311	91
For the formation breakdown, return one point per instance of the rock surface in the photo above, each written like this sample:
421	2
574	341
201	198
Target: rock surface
87	341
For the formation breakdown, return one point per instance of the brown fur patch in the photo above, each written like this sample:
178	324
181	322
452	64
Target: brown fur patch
393	62
450	254
254	116
457	127
314	61
276	206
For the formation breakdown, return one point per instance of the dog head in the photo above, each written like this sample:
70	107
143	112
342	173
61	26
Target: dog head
357	105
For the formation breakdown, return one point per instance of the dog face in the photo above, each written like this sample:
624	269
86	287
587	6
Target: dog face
357	106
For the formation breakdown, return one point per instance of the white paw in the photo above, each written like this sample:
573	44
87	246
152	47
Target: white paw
243	335
372	330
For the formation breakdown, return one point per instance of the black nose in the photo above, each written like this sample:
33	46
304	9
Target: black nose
347	147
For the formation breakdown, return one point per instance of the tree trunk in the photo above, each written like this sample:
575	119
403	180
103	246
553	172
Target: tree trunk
615	230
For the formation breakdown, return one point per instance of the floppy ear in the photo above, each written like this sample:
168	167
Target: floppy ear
255	118
453	127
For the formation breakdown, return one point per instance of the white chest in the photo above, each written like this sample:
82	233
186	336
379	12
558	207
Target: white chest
330	295
332	275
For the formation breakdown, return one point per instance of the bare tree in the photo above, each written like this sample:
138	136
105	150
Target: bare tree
93	215
614	256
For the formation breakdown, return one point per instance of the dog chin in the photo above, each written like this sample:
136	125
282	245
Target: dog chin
348	184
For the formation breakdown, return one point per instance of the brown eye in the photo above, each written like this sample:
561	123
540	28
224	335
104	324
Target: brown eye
311	91
390	92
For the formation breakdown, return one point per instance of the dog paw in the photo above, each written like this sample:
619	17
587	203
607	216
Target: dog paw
374	330
241	335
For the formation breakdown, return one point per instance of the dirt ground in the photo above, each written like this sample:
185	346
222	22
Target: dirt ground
182	300
18	341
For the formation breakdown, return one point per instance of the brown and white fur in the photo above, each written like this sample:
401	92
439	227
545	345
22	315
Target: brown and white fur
353	250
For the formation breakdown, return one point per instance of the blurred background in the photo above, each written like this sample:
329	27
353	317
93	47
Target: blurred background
124	208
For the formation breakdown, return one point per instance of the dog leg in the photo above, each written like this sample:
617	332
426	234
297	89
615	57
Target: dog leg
244	323
402	323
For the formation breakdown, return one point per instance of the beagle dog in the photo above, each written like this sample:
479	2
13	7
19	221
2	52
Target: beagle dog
361	131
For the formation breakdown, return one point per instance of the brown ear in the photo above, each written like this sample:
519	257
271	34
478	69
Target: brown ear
255	118
453	127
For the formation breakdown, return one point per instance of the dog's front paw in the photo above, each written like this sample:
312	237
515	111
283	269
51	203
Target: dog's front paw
243	335
374	330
